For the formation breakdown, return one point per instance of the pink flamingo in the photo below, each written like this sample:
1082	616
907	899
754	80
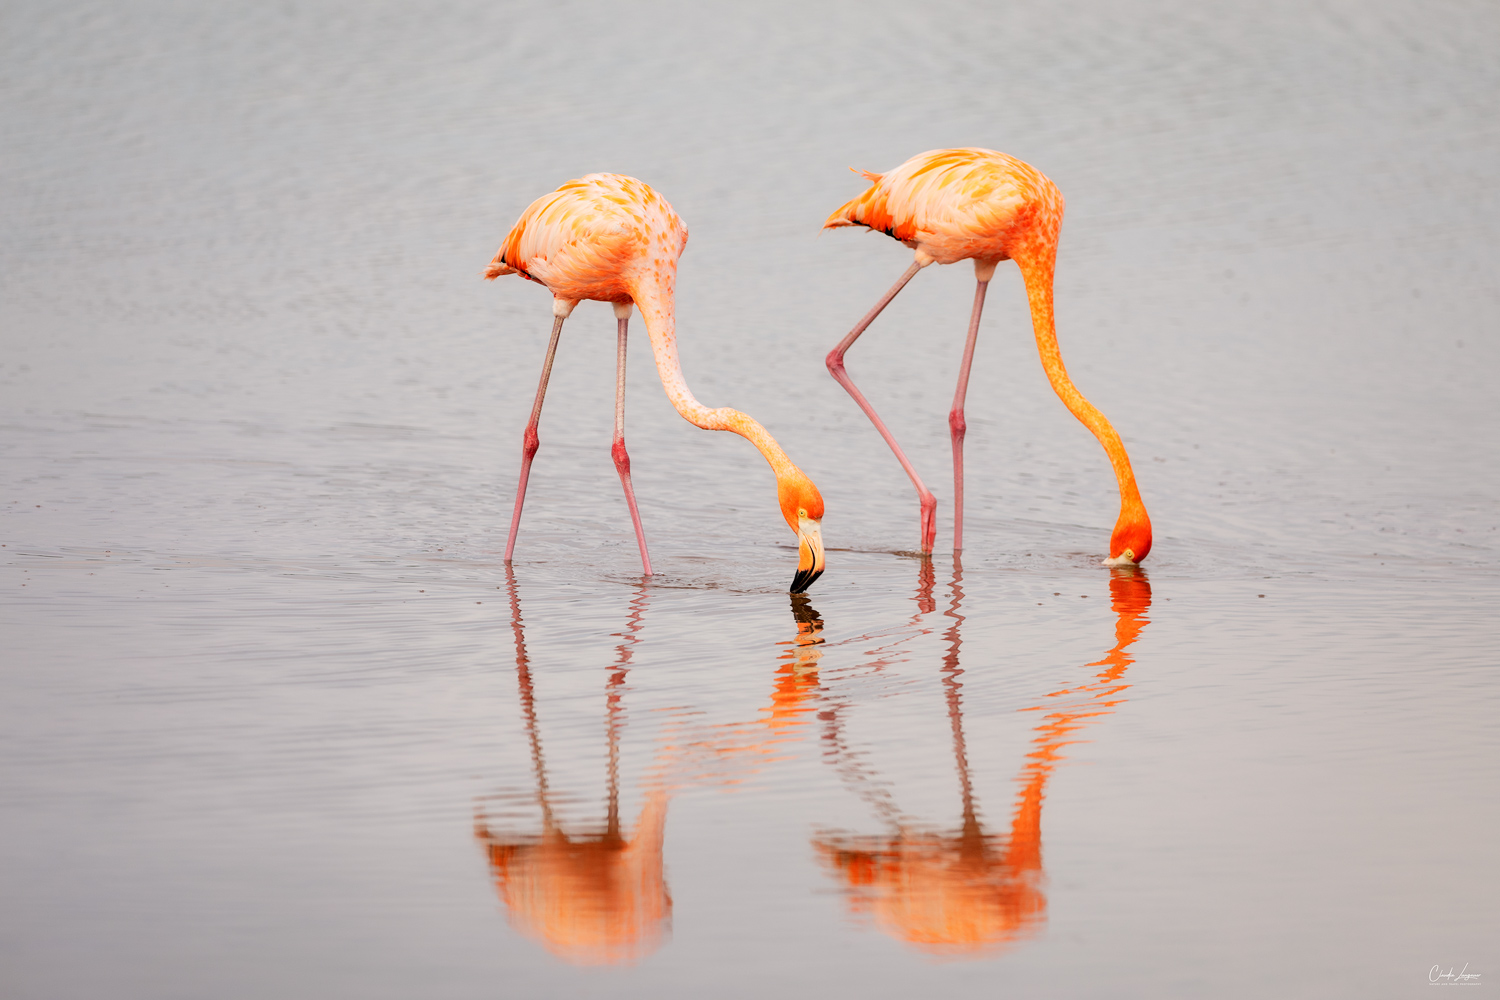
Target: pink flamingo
611	238
976	204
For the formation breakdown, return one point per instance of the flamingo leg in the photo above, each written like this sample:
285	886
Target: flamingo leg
956	425
531	442
835	362
622	459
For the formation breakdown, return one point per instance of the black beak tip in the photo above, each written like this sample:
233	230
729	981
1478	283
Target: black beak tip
804	579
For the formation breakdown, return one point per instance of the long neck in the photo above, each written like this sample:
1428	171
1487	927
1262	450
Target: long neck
1037	264
653	296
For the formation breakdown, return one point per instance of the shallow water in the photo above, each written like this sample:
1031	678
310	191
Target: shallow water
279	722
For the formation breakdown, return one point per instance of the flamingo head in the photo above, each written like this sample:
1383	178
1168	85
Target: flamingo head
802	506
1131	540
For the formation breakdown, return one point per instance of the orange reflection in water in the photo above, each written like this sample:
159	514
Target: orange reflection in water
723	755
596	897
592	897
967	893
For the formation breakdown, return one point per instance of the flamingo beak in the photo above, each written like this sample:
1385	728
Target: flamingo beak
809	554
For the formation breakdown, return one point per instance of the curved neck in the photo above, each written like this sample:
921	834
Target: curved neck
1037	265
654	299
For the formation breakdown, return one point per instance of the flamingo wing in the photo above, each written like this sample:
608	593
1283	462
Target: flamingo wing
953	203
580	239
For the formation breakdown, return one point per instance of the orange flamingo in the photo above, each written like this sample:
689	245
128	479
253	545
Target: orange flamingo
976	204
613	239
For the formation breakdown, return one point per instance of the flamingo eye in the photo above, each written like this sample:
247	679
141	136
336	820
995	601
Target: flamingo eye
801	511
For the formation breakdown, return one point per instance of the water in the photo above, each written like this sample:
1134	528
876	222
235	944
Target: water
277	719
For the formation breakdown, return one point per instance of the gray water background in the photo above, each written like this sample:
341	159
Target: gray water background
260	424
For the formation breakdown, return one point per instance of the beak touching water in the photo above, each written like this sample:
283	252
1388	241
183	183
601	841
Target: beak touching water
809	554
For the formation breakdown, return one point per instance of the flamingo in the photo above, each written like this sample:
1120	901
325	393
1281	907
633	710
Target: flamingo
976	204
611	238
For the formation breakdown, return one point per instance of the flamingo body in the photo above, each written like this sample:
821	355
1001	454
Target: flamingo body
950	205
611	238
958	204
595	238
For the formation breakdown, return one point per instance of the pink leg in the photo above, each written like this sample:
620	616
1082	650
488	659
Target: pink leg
531	442
956	423
835	362
622	460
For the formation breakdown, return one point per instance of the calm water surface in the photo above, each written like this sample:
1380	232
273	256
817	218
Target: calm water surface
278	721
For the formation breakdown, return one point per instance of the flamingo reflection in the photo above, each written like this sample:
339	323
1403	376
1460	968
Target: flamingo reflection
967	893
723	754
591	896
